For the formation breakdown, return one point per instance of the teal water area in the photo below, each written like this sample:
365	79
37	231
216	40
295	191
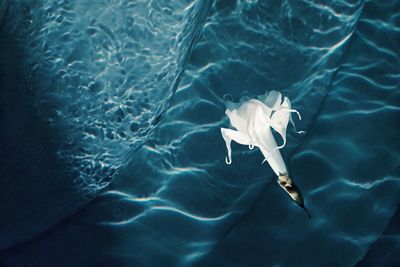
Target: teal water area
176	202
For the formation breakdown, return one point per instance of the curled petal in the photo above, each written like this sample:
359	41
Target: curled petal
292	110
225	98
294	125
236	136
265	159
280	120
284	141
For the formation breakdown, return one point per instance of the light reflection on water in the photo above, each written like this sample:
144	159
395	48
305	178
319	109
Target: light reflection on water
178	204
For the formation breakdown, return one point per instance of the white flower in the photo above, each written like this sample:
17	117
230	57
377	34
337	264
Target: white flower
253	120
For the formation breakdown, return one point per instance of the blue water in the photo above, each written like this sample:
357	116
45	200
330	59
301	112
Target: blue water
133	95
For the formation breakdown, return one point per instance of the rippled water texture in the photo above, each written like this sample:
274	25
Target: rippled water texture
83	84
104	72
179	204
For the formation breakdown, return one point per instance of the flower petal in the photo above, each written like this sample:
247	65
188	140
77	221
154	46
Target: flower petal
253	119
272	99
280	119
294	125
236	136
236	121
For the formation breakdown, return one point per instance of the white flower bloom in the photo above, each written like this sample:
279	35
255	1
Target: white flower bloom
253	120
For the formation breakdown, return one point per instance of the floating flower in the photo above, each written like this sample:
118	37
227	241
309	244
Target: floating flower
253	120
